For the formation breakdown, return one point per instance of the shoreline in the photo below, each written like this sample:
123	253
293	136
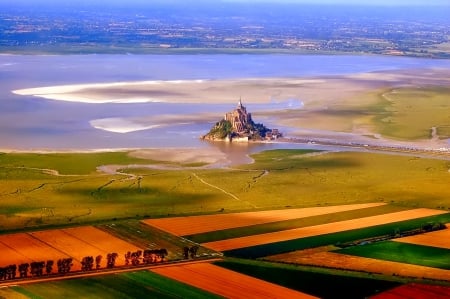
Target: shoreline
215	157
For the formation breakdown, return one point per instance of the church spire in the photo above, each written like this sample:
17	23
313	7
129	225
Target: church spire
240	103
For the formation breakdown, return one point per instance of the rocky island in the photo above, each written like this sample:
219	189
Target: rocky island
238	126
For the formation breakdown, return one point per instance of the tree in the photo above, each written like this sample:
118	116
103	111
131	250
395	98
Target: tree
186	252
98	260
111	259
87	263
193	251
23	270
64	265
49	267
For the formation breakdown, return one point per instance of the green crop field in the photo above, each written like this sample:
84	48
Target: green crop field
403	253
32	198
334	238
141	284
324	284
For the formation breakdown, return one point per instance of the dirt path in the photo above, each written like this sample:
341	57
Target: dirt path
222	190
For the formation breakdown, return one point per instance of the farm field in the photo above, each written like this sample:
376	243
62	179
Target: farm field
56	244
403	252
183	226
144	236
130	285
339	284
85	241
25	249
440	238
38	190
292	224
362	264
322	229
415	290
227	283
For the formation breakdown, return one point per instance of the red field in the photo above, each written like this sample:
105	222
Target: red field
417	291
316	230
183	226
227	283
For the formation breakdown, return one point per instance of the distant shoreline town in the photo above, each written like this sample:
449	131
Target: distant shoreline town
227	28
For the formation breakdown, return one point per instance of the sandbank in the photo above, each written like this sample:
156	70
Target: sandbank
320	117
315	92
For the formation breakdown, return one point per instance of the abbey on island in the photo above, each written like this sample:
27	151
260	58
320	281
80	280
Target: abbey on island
238	126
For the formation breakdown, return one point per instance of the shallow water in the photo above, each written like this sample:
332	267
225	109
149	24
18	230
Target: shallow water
28	123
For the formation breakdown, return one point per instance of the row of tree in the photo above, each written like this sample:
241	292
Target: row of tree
37	269
147	256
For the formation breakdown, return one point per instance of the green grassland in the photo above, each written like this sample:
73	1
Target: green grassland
31	198
141	284
401	113
410	113
320	283
265	250
403	253
67	163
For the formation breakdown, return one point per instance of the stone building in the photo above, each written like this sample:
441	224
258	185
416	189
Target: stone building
239	118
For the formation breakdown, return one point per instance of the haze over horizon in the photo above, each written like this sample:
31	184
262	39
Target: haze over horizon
309	2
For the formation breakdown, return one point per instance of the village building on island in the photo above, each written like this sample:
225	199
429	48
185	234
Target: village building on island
238	126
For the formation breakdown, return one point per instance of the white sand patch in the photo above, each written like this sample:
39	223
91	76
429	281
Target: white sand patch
120	125
132	124
77	92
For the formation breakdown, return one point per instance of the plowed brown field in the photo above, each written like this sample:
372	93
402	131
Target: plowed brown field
10	256
227	283
24	248
54	244
79	242
342	261
316	230
439	238
182	226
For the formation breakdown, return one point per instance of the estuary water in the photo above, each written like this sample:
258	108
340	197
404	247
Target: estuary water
31	123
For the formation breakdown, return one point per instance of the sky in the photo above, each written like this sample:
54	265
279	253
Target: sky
359	2
333	2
